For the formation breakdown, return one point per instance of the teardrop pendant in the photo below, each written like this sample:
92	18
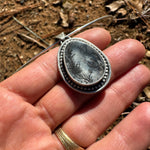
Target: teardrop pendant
83	66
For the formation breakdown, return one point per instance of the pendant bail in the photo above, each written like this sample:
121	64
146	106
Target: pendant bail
62	37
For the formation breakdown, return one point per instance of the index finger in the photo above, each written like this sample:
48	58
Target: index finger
36	79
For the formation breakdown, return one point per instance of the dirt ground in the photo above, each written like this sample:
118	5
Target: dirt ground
48	18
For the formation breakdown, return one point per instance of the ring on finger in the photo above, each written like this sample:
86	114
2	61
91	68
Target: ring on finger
66	141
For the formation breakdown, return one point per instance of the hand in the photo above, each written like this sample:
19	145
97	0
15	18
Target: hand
34	101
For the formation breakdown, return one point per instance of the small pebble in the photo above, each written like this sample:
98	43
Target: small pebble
148	54
21	57
67	5
57	2
147	91
40	8
4	38
35	53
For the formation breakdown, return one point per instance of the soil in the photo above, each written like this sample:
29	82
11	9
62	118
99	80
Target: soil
48	18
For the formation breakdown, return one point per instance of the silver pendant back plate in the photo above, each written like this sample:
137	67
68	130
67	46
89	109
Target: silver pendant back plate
83	66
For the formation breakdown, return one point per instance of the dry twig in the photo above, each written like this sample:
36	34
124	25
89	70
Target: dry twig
13	12
5	20
32	40
9	28
19	59
125	113
12	29
137	7
136	104
30	31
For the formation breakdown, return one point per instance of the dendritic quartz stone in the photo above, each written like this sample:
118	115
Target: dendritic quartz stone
83	66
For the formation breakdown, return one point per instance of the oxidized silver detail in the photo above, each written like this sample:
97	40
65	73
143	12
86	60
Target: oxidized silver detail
83	66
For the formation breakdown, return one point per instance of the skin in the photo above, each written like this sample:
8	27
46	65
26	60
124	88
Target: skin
35	100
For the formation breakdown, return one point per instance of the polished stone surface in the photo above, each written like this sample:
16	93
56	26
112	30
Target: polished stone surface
83	63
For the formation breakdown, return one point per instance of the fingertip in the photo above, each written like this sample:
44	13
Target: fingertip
146	70
98	36
102	36
124	55
135	47
141	117
140	76
144	115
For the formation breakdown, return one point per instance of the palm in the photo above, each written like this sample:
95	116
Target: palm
21	125
34	102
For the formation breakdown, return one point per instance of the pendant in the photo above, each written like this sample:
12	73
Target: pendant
83	66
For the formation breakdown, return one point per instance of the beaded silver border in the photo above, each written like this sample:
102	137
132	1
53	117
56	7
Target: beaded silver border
83	89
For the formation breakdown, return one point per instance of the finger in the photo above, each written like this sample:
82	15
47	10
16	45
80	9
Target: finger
124	55
63	99
89	122
133	133
40	76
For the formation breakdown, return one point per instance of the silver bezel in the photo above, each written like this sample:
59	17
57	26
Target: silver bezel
88	89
